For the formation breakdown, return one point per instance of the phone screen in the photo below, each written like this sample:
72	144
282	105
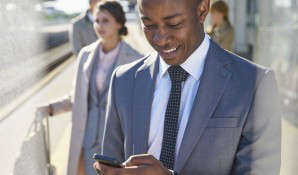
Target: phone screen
107	161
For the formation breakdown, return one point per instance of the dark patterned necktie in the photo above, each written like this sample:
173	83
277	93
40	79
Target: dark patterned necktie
167	156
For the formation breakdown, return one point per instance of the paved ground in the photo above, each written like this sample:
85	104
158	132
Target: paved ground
13	130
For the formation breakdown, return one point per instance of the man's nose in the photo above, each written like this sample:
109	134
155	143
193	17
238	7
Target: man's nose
160	38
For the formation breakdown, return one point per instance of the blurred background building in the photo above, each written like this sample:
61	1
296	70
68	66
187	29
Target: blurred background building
266	32
35	39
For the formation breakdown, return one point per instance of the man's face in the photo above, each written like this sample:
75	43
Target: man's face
172	27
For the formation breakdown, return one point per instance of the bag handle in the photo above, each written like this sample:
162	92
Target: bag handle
46	135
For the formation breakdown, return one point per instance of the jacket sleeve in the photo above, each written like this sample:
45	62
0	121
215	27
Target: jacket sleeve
65	103
113	139
259	150
61	105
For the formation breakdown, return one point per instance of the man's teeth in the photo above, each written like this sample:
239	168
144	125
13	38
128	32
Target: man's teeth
170	50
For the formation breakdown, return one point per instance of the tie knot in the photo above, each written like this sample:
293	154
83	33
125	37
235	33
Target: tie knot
177	74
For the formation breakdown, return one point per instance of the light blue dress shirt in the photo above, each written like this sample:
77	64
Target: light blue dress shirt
194	66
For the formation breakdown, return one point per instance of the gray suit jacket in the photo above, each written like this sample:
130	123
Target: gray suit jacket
234	126
82	32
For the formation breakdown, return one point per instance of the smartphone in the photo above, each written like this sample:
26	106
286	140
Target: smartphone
107	160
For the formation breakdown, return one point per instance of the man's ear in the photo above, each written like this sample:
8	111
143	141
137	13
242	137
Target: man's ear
202	10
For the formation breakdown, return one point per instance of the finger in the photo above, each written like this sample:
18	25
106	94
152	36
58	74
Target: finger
142	169
98	172
141	159
109	170
96	165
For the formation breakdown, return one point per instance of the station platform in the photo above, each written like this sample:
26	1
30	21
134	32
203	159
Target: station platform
59	83
17	118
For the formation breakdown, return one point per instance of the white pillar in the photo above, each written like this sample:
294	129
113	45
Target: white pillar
231	4
239	17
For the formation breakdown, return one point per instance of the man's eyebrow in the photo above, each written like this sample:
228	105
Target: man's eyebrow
145	18
172	16
165	18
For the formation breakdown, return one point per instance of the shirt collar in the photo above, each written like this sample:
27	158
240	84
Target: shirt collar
110	54
195	60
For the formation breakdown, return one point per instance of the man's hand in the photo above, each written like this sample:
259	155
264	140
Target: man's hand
138	164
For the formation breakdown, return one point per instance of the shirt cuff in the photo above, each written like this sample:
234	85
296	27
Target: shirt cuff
173	172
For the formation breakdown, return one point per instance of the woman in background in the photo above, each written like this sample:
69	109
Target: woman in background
96	63
222	31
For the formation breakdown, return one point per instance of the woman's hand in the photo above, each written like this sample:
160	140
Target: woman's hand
44	110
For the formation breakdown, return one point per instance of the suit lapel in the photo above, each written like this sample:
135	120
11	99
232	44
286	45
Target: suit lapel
121	58
90	61
142	100
213	82
123	54
119	61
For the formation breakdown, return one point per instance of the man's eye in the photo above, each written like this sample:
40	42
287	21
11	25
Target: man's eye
174	25
97	21
149	26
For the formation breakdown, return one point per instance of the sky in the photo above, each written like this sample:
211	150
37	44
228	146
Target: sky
72	6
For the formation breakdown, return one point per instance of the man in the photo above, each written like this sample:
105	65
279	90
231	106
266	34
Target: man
191	108
82	32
